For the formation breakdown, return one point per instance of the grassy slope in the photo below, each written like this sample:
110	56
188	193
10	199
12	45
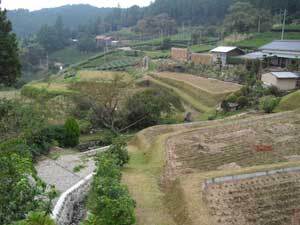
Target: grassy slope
261	39
196	104
289	102
69	55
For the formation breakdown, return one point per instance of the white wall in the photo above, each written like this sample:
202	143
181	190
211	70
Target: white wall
282	84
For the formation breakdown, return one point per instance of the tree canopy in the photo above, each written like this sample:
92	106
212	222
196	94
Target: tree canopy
10	67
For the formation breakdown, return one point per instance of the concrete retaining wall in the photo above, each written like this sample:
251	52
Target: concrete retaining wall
64	208
232	178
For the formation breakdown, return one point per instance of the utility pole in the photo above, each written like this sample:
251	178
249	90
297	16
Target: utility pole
283	25
259	23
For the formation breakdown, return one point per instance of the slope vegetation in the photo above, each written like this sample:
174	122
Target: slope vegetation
289	102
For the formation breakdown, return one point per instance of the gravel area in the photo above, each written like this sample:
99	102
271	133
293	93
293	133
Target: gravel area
60	172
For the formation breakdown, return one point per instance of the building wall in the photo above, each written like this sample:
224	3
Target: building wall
282	84
180	54
286	84
206	59
269	79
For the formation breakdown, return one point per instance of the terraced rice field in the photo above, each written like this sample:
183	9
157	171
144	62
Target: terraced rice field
272	199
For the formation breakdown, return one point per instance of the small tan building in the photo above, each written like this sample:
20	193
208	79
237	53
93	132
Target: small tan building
202	58
180	54
282	80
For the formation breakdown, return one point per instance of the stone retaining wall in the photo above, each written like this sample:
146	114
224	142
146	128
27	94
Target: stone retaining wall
232	178
64	208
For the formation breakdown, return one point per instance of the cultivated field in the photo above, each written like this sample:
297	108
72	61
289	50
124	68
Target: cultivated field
212	86
175	161
236	142
272	199
201	93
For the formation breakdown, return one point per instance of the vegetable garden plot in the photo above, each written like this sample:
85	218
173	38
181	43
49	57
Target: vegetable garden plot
270	199
209	148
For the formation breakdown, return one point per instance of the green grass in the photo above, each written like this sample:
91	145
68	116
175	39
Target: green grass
201	48
287	27
258	40
69	55
196	104
113	60
289	102
158	54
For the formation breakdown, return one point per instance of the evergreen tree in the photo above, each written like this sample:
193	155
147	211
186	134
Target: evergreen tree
10	67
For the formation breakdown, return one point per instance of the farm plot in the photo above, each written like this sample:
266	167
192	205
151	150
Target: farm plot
246	142
115	60
272	199
208	91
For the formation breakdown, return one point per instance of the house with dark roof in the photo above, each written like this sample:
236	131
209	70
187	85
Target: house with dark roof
282	80
280	52
222	53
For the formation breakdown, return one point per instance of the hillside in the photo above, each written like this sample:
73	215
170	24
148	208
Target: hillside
26	22
289	102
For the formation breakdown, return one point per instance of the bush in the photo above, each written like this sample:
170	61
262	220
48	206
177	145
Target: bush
36	218
119	149
72	133
109	201
269	103
242	101
85	126
232	98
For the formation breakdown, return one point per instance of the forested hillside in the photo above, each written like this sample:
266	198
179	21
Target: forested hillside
188	12
26	22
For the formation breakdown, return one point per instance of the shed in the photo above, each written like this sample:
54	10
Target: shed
222	53
282	80
180	54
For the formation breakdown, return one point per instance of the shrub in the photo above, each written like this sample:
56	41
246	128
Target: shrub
242	101
119	150
36	218
269	103
85	126
72	133
109	201
20	189
232	98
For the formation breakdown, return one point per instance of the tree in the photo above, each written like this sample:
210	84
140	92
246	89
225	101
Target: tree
72	133
241	17
105	99
10	67
166	44
146	108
